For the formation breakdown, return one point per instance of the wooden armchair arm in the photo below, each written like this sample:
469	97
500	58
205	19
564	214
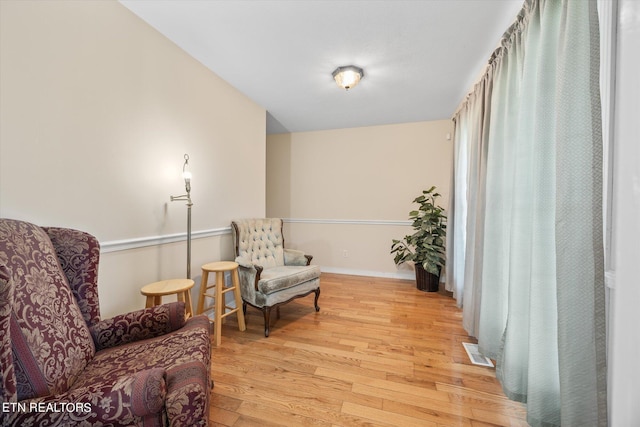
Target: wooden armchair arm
258	272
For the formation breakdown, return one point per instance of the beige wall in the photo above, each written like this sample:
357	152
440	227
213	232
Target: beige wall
97	111
352	189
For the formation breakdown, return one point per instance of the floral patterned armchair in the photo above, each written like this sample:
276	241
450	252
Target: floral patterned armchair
61	365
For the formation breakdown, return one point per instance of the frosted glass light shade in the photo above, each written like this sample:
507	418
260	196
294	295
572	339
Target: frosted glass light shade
348	77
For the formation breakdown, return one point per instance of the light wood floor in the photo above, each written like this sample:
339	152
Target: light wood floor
379	353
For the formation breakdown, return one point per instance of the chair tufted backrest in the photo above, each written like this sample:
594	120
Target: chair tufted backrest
260	241
50	340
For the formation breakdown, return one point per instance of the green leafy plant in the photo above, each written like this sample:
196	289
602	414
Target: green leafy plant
426	246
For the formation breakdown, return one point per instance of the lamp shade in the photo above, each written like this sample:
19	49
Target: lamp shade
348	76
186	173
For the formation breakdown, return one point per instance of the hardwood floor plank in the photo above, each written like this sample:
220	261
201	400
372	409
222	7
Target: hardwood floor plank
384	418
379	353
347	366
354	344
223	417
407	389
481	399
286	408
495	417
275	415
431	411
358	356
401	396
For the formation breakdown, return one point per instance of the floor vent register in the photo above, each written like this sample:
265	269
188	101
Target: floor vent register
475	356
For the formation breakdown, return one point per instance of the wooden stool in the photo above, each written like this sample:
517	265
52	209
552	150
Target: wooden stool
181	287
220	307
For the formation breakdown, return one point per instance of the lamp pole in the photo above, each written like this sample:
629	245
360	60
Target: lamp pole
186	174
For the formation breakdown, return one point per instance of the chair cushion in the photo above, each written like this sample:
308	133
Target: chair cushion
184	355
283	277
51	343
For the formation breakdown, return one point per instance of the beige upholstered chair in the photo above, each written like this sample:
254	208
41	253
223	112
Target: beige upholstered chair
271	275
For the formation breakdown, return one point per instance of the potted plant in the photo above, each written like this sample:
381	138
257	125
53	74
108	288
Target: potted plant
425	247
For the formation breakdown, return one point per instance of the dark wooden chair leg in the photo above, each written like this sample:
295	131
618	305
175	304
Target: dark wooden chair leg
315	302
267	314
244	309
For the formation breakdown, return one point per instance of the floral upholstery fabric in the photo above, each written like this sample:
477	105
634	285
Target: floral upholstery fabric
151	367
79	254
138	325
131	400
51	342
8	387
182	356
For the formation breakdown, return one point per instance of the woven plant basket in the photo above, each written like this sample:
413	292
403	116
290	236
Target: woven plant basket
425	281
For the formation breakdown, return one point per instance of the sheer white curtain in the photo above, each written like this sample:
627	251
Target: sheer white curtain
469	174
533	279
456	242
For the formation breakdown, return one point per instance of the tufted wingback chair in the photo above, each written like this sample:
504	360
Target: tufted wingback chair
270	274
61	365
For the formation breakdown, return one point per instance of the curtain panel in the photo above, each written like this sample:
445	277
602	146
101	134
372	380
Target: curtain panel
525	251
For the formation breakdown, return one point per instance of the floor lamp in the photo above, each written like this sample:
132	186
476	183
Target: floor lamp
186	174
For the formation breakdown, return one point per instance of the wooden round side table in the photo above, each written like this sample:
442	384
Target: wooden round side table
181	287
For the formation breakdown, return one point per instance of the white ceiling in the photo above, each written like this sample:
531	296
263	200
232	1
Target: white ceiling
420	57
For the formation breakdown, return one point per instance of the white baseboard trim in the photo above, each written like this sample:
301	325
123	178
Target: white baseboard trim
368	273
141	242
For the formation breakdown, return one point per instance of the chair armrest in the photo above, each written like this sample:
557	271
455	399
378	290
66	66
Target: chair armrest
138	325
295	257
249	272
120	402
244	262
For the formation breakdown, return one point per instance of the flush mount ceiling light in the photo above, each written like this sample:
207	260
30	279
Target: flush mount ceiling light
348	77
